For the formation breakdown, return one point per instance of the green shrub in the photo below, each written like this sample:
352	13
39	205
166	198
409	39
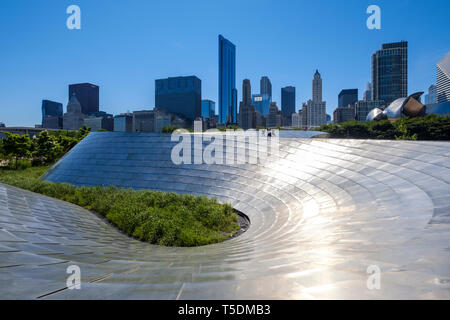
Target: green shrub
383	129
169	129
19	164
167	219
430	127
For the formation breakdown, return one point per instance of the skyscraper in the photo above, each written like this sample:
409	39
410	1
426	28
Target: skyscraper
296	121
274	118
52	114
390	72
51	108
247	114
227	82
317	87
347	97
88	96
430	97
208	109
179	95
288	101
265	86
261	102
344	114
367	95
315	111
443	79
304	113
246	92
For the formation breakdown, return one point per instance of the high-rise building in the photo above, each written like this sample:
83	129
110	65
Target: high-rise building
362	109
390	72
246	109
260	120
261	102
87	95
347	97
247	116
73	119
123	122
51	108
430	97
208	109
227	82
296	120
52	114
274	118
288	100
179	95
316	108
443	79
317	87
304	115
367	96
265	86
344	114
316	115
246	92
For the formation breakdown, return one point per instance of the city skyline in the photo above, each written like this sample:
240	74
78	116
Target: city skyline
42	61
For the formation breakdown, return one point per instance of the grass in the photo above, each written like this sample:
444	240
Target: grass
166	219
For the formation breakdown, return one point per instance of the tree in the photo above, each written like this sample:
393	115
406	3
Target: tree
67	142
16	146
47	147
83	132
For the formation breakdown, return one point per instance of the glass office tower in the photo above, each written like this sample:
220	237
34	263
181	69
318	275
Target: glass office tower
261	102
208	109
51	108
346	97
390	72
88	96
227	81
179	95
265	86
288	100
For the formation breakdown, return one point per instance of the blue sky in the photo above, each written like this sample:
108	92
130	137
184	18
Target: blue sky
124	45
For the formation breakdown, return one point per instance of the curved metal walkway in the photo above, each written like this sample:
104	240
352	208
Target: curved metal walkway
321	214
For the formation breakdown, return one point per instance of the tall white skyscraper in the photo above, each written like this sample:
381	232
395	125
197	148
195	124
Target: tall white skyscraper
317	87
316	108
443	79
